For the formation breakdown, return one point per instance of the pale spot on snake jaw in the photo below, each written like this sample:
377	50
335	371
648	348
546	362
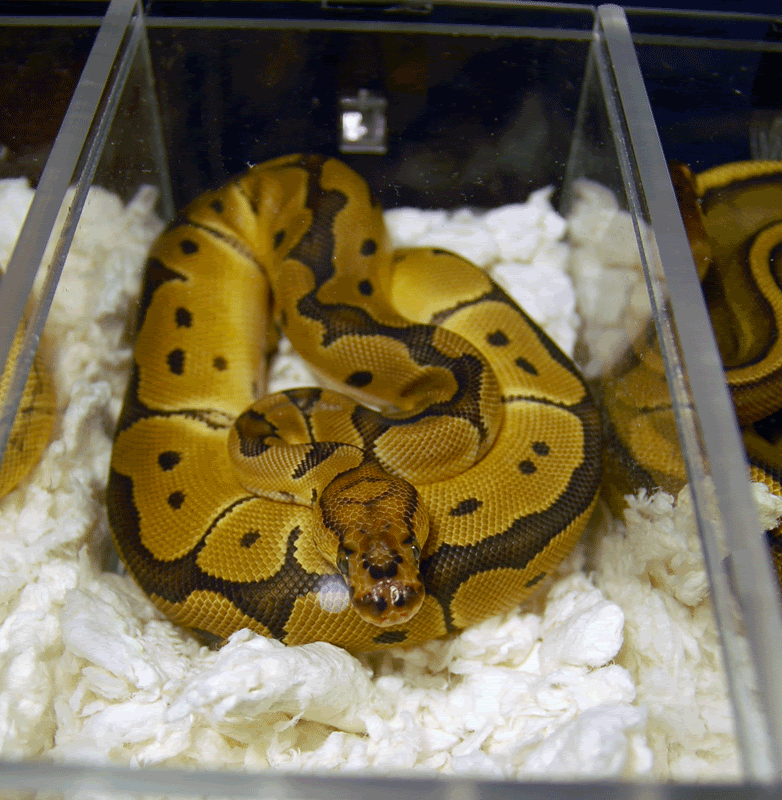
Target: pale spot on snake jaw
332	593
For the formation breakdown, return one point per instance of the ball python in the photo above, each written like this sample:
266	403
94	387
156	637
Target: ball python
32	424
456	466
733	219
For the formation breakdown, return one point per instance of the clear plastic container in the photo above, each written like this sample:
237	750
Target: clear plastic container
459	105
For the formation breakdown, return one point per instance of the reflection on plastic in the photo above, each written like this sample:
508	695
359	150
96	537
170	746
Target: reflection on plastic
363	123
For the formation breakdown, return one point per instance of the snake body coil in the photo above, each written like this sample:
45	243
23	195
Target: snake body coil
305	515
733	218
32	423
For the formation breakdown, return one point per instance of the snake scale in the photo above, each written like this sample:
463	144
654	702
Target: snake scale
733	219
459	469
34	418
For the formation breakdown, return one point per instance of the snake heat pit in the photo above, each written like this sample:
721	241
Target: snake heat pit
306	515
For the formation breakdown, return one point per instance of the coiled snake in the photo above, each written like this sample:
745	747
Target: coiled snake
306	515
733	218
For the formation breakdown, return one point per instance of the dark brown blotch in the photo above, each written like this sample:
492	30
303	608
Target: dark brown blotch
526	366
359	379
176	499
468	506
168	460
176	361
497	339
249	539
183	318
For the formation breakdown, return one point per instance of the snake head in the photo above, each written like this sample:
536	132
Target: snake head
379	521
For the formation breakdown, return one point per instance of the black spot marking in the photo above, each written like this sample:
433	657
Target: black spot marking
365	287
183	318
217	206
175	500
249	538
368	247
497	339
359	379
540	448
188	247
390	637
314	495
168	460
526	366
467	506
279	238
530	583
176	361
527	467
220	363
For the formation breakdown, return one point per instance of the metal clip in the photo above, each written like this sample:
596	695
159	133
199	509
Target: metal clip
362	120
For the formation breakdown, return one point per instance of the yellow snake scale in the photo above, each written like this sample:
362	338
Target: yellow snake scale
306	515
733	218
32	424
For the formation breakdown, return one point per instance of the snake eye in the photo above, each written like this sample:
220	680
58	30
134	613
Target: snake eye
342	560
415	550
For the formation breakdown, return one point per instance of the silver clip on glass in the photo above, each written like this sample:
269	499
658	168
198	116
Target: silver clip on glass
362	123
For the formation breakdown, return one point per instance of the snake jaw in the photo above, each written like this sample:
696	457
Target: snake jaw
390	603
383	579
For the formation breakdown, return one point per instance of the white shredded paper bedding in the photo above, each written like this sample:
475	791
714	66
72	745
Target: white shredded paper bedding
614	672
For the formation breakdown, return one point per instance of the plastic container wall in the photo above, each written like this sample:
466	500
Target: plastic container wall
455	136
711	82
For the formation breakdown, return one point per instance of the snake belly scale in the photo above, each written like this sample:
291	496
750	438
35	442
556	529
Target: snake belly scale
462	467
